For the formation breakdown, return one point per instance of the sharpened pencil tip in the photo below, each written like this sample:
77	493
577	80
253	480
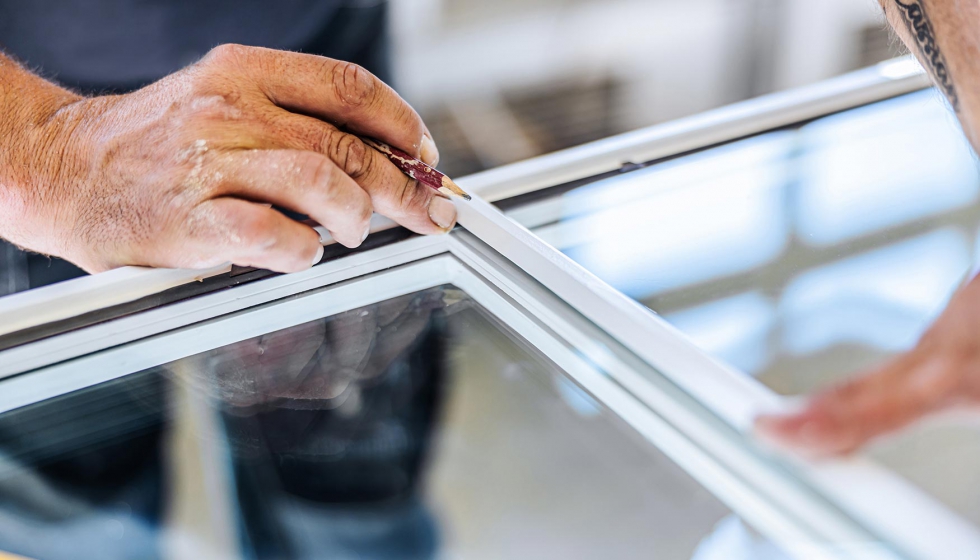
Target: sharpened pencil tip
452	187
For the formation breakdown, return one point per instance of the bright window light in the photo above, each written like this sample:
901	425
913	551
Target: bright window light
884	298
693	223
735	330
881	166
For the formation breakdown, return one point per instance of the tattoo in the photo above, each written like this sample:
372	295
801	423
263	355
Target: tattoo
925	37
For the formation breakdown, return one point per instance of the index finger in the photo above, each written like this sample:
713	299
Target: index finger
342	93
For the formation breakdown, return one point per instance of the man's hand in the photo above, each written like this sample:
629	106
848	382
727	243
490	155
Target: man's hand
941	372
182	172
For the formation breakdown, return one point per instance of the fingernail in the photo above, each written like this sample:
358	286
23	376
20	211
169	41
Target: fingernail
442	212
430	154
319	255
367	232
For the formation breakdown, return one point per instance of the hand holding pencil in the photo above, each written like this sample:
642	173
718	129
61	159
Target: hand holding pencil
417	169
185	173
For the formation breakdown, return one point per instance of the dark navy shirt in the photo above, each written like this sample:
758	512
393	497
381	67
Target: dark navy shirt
122	44
98	46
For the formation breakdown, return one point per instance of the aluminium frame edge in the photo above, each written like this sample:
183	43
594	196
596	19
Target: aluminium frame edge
732	396
745	118
122	330
515	297
426	272
574	285
888	79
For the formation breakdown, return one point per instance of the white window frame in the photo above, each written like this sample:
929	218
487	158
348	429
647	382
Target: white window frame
693	408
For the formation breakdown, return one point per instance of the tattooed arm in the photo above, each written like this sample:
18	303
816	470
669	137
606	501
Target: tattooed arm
945	37
943	370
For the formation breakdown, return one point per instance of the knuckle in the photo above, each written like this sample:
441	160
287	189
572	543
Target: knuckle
353	85
348	152
228	53
319	171
215	104
225	88
209	96
258	232
359	209
413	196
410	121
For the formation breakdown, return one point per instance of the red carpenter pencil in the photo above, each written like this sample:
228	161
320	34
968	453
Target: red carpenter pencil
418	169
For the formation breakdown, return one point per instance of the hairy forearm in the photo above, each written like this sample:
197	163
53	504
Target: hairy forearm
945	36
33	137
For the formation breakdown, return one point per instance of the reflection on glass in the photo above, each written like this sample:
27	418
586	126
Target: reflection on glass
798	256
733	540
883	298
682	229
890	163
943	458
734	329
413	428
877	219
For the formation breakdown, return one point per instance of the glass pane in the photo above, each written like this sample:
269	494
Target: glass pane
414	428
800	256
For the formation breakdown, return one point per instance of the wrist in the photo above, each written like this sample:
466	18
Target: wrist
34	158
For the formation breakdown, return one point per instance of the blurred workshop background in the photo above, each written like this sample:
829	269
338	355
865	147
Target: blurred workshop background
518	78
775	254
